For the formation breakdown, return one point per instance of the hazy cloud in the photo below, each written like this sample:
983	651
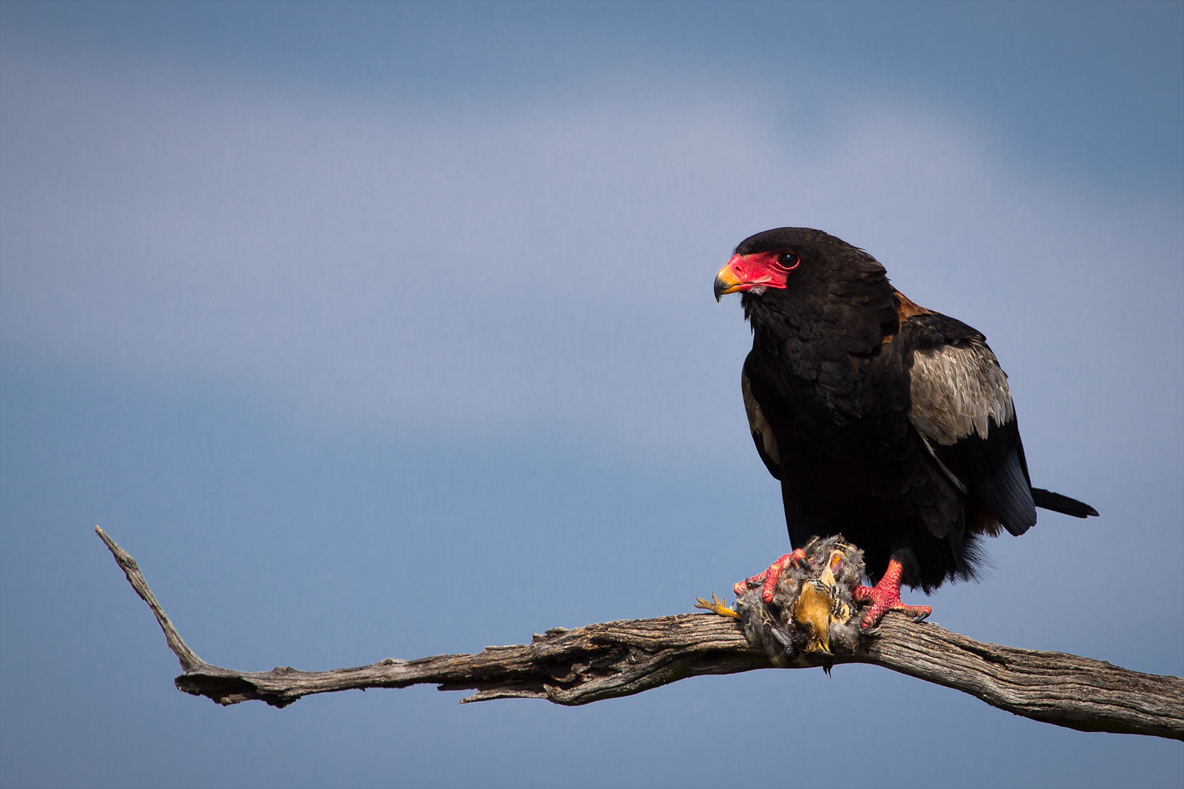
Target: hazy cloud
407	264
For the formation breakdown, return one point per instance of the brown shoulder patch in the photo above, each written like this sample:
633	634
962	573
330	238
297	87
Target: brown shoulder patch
907	308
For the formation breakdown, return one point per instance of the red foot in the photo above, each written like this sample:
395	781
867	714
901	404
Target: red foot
885	597
769	577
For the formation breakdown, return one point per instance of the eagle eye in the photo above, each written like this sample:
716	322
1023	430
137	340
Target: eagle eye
789	259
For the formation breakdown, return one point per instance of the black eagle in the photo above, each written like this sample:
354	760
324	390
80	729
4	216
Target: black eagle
884	421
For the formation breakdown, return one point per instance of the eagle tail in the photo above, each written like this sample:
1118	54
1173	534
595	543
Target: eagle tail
1046	499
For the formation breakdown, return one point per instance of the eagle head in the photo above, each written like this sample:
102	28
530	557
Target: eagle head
766	260
799	277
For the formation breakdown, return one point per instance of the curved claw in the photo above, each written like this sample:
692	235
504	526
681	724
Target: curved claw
768	579
885	597
740	587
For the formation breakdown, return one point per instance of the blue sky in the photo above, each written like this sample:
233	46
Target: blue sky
310	305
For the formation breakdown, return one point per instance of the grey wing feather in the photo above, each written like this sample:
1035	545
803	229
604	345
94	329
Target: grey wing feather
962	408
956	391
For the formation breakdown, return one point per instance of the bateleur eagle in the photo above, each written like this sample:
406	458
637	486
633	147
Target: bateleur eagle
884	421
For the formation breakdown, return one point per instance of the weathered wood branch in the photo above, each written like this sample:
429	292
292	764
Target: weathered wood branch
614	659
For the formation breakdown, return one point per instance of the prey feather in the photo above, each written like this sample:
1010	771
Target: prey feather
813	610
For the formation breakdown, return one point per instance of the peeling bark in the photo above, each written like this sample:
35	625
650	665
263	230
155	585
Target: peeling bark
614	659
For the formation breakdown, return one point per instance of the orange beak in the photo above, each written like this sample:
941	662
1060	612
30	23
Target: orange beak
728	279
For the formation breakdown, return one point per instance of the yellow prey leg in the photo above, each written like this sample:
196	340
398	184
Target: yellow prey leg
716	606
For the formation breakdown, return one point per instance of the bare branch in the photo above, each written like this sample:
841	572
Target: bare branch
614	659
189	659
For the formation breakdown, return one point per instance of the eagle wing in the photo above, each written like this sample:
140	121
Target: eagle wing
758	425
961	407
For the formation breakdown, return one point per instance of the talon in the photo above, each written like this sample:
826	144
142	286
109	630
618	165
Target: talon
774	572
716	606
885	597
740	587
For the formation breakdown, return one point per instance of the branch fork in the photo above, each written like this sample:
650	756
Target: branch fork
621	658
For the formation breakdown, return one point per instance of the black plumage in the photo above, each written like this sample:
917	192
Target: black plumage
883	420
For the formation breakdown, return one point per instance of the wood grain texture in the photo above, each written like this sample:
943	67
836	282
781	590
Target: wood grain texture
614	659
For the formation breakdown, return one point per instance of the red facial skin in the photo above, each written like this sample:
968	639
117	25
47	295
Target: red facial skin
761	269
764	270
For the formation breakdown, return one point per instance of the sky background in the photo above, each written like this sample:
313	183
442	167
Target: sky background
318	308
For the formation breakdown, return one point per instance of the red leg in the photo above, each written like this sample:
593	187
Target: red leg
769	577
885	597
740	587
